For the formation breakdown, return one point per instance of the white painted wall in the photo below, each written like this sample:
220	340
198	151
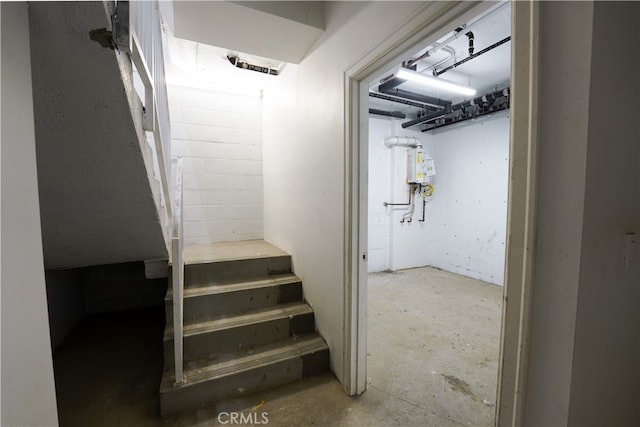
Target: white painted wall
304	156
27	389
379	192
219	136
585	319
562	164
408	241
465	225
607	328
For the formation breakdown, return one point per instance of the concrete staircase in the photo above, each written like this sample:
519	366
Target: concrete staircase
246	329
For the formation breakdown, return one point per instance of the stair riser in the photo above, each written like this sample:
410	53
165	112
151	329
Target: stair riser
241	338
196	275
207	307
241	383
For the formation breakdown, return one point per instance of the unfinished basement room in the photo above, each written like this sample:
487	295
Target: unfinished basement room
320	213
437	220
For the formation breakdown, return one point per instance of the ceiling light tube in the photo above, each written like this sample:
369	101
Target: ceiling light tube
435	82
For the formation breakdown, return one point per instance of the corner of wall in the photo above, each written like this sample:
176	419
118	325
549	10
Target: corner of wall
28	390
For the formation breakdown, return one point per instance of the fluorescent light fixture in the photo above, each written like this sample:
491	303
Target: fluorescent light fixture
435	82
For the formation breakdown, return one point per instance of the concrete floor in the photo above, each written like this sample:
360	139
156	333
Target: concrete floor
432	361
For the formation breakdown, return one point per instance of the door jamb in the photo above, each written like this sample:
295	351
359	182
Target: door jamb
426	23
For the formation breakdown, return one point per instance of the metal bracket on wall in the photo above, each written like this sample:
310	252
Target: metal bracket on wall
120	27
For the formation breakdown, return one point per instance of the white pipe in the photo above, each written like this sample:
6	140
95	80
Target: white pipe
451	53
402	141
465	28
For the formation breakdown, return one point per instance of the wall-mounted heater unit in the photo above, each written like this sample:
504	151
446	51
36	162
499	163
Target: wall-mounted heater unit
420	166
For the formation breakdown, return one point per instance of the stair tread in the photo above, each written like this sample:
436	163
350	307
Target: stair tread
235	286
210	369
230	251
280	311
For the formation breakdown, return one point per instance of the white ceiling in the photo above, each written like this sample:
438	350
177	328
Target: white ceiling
283	31
483	73
489	69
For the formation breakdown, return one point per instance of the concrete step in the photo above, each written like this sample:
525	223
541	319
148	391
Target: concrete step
233	286
206	303
236	270
211	380
242	332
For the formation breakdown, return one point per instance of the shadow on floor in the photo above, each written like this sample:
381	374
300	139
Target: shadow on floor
108	370
108	373
433	340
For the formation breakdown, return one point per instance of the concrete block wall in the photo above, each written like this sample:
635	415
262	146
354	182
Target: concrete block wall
379	192
465	225
409	241
388	239
219	136
118	287
76	292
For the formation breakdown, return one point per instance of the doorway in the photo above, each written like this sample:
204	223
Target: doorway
425	29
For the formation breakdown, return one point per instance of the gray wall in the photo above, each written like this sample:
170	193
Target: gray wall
564	79
28	393
118	287
99	197
71	294
584	357
65	299
304	156
605	379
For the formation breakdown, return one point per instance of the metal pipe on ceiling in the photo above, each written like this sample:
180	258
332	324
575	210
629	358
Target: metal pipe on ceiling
426	118
485	99
429	100
390	84
471	37
470	57
447	49
482	101
399	100
396	114
486	107
455	35
462	118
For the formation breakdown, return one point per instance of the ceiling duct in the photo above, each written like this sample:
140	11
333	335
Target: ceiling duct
237	62
472	56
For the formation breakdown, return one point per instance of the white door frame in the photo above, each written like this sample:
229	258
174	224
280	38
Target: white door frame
427	24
